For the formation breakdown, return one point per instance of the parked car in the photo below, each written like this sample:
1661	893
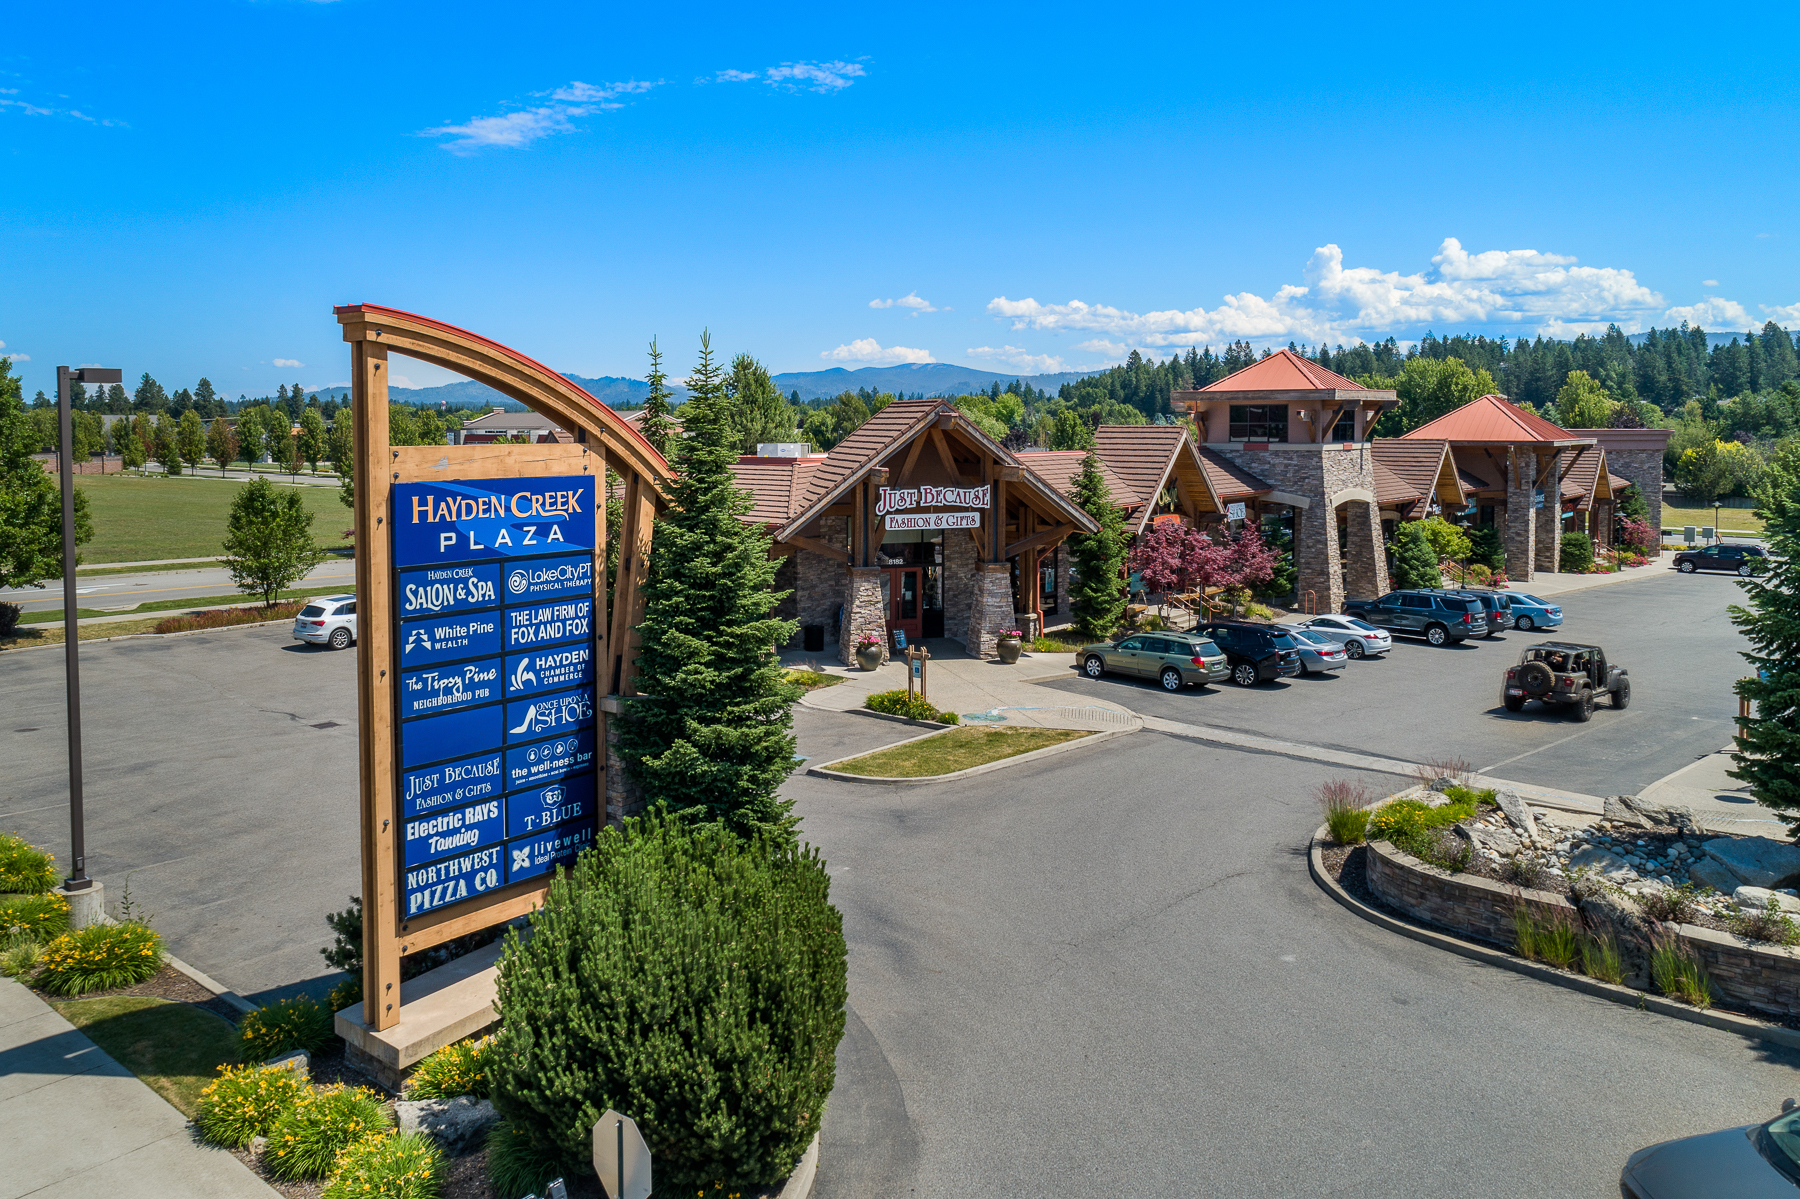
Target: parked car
1172	659
1317	651
1752	1161
1497	605
1359	638
1437	616
328	620
1739	559
1565	674
1529	612
1258	652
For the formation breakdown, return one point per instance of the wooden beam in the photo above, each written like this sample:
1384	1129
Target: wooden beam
943	452
1322	434
1040	539
813	545
628	589
1012	474
375	688
912	456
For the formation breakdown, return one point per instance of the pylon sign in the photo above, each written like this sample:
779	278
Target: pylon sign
494	640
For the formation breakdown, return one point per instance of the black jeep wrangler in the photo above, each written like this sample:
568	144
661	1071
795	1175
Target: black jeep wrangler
1564	672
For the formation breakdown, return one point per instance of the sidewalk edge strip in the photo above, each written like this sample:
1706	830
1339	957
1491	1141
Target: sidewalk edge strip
1093	738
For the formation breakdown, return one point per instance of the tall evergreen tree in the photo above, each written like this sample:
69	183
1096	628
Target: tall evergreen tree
1768	747
150	396
655	425
1098	602
1415	562
205	399
711	736
30	501
758	408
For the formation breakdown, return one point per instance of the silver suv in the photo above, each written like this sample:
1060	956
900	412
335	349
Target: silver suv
328	620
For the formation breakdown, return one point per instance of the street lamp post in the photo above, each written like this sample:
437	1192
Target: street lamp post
1718	535
82	892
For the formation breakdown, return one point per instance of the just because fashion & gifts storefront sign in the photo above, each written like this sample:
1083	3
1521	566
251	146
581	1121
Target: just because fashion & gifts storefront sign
895	499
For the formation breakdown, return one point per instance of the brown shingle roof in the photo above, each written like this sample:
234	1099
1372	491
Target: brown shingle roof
1141	455
1391	490
1058	468
866	444
1584	474
1230	482
774	484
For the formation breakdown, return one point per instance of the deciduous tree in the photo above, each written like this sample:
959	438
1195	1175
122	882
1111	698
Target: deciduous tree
311	442
1582	403
165	445
190	439
221	443
268	542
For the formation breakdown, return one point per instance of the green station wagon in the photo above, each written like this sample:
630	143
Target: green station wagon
1172	659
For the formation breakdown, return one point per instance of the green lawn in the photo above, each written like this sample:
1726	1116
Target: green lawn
146	518
1732	520
811	680
174	1047
957	749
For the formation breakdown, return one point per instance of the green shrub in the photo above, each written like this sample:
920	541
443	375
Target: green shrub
24	870
404	1165
1401	823
516	1167
1446	850
19	957
1600	958
99	958
689	976
284	1026
1769	923
1346	808
1678	971
39	917
345	993
459	1069
899	703
245	1102
325	1121
1673	906
1577	554
1523	872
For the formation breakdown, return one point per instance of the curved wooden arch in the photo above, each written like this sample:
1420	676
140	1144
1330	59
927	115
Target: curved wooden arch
511	373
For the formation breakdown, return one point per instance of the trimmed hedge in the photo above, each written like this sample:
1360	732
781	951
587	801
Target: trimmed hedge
689	976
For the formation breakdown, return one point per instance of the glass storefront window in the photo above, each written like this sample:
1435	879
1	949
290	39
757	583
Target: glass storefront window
1259	422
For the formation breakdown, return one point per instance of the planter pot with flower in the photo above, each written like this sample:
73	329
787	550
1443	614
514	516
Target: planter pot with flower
868	652
1009	645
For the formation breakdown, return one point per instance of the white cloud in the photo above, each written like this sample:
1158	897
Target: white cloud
797	76
1787	315
20	357
1709	283
867	349
1025	360
1532	290
288	362
522	126
909	300
1711	313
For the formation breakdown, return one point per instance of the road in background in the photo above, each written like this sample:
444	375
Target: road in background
128	590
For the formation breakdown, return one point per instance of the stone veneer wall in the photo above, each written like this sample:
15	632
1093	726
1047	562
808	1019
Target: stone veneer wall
865	592
1521	522
1762	977
623	797
990	608
787	574
1319	472
959	584
1550	518
1645	469
819	581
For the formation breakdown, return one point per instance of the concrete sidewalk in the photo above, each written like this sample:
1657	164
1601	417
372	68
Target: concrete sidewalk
1719	801
1549	583
971	686
77	1122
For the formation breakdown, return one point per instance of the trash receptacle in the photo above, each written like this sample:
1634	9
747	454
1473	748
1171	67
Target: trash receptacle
815	638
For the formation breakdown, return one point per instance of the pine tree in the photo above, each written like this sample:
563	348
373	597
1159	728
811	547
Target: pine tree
205	399
1768	748
150	396
655	425
711	736
1098	602
1415	562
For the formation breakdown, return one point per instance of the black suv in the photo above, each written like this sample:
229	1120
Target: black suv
1438	616
1743	559
1497	604
1256	652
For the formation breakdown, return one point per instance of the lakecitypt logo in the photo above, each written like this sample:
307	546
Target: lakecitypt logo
518	581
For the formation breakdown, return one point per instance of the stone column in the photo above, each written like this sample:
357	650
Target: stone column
1365	571
1521	522
865	611
990	608
624	798
1549	517
1317	563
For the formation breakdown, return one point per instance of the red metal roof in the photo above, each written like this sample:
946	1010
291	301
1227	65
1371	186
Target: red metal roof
1495	421
1284	370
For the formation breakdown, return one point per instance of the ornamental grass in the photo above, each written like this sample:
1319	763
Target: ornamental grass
459	1069
284	1026
24	869
39	917
402	1165
308	1137
100	957
246	1101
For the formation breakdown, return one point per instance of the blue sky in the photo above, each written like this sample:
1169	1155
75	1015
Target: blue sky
192	187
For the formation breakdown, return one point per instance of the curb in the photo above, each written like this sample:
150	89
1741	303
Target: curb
799	1184
244	1006
1743	1026
1094	738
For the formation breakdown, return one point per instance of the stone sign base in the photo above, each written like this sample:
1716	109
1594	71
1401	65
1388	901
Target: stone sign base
438	1008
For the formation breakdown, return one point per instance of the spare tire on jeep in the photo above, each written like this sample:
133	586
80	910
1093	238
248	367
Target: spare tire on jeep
1536	678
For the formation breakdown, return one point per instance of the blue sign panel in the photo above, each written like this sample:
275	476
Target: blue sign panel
529	857
451	784
446	638
451	735
542	624
443	589
549	578
452	880
449	688
456	831
482	520
550	715
550	669
533	811
546	761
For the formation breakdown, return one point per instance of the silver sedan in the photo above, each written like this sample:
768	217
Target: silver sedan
1359	638
1317	651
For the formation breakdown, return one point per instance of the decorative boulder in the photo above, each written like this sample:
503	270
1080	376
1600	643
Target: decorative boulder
1606	865
1757	899
1755	861
297	1061
1708	873
1607	911
1513	804
1621	810
455	1124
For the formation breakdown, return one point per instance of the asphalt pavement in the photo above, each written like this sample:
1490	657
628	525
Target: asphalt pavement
129	590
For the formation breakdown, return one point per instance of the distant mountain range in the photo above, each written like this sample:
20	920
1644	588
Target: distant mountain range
913	378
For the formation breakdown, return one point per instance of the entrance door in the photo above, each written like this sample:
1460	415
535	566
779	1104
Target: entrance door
905	604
